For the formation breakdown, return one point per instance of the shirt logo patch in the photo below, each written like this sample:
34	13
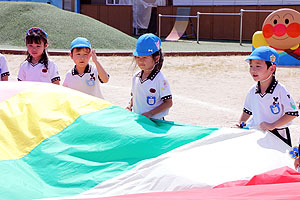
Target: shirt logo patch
165	85
293	105
151	100
152	90
91	82
44	70
275	109
272	58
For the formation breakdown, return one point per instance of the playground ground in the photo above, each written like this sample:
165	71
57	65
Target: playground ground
207	90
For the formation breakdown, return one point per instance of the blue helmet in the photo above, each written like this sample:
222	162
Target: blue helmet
265	53
147	44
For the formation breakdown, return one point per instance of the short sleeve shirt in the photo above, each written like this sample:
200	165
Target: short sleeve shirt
3	67
150	93
88	82
271	106
38	72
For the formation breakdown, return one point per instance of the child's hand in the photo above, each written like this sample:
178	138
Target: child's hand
129	108
297	163
94	55
266	126
148	114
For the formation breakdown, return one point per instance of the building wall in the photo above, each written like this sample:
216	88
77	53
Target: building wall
221	27
119	17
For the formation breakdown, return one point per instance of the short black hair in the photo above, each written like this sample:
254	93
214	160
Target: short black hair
269	64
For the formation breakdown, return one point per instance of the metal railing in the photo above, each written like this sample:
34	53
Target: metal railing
242	11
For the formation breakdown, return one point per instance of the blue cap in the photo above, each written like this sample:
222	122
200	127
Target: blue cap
80	42
147	44
264	53
36	29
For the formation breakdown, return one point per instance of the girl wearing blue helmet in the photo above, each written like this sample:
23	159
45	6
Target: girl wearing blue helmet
151	94
268	102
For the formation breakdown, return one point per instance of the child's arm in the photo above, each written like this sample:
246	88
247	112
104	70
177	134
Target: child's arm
244	117
162	107
280	122
56	82
129	106
4	78
297	163
101	72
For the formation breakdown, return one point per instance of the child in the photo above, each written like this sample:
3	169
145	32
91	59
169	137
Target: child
3	68
37	66
268	102
151	94
85	77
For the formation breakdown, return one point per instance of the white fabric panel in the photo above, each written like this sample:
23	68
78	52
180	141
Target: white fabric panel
225	155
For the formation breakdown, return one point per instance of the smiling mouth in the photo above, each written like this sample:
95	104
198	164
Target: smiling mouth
279	39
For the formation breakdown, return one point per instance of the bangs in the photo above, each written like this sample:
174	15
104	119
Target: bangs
35	39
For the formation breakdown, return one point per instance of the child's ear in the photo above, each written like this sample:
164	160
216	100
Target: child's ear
157	59
46	45
273	68
71	55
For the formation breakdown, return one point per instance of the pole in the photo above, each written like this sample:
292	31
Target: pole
198	26
241	26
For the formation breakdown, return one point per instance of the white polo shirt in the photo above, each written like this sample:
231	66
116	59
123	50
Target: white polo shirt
88	82
38	72
150	93
3	67
270	106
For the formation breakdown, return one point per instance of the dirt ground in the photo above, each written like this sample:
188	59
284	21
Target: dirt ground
207	91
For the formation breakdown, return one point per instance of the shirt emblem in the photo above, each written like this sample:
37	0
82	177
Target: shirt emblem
151	100
91	81
275	109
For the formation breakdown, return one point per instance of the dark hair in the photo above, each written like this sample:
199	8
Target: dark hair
158	65
79	48
269	64
37	36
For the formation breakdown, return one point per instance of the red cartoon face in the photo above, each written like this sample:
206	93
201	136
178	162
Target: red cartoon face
281	28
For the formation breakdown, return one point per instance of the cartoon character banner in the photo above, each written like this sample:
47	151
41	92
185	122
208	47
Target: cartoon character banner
281	30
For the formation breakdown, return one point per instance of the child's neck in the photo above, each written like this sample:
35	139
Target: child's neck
80	69
264	85
35	60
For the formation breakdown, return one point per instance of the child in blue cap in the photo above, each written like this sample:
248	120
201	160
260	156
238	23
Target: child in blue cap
84	76
151	94
270	104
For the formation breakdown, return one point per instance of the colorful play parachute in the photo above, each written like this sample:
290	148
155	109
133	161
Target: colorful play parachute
57	143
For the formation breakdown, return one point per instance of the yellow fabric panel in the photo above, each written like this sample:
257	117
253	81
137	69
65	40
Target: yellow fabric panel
36	114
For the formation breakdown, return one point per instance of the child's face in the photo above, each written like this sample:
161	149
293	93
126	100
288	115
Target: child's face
145	63
259	70
36	50
81	57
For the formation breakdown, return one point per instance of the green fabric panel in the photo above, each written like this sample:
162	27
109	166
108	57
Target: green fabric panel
96	147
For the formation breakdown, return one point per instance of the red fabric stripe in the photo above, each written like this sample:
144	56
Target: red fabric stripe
282	183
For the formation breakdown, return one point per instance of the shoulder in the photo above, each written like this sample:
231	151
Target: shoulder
137	74
51	63
24	64
2	57
281	88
